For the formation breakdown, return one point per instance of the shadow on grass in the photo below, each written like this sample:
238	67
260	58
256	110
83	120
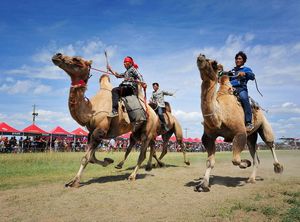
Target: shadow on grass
153	167
107	179
223	180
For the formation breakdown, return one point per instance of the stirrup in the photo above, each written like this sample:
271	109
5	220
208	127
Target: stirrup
113	114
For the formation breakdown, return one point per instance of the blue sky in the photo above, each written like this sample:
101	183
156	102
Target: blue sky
164	37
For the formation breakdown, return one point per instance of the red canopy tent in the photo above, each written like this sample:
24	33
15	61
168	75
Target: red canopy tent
6	129
158	138
79	132
197	140
172	139
125	136
59	131
34	130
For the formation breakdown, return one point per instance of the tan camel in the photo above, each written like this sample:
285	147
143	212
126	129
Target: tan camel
174	127
93	115
224	116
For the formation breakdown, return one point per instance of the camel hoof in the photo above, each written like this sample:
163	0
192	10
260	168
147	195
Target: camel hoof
131	178
108	160
161	164
73	183
119	166
202	187
278	168
187	163
245	163
251	180
148	167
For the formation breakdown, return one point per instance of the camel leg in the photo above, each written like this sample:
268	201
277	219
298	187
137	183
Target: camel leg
165	138
210	146
88	157
152	153
142	156
179	137
132	142
267	136
251	142
238	145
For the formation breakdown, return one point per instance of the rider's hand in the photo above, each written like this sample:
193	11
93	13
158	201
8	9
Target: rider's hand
144	85
241	74
109	68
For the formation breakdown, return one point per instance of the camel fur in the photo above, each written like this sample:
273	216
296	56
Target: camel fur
224	116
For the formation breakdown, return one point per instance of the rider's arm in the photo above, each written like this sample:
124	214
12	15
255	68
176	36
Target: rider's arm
115	73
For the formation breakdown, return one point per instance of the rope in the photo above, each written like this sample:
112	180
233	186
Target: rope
257	88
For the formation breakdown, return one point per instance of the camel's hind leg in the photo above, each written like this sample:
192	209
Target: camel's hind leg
89	157
266	133
179	138
210	146
132	142
251	142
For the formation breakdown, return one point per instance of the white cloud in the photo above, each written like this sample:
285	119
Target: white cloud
24	86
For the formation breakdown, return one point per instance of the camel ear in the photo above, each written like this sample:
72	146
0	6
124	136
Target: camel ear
89	62
214	65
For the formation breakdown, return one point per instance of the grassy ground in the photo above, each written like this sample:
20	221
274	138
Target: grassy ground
32	189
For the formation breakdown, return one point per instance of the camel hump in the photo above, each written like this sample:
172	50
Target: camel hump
168	107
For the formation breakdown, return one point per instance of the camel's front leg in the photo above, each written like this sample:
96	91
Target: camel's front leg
210	146
128	150
142	157
75	182
238	145
152	154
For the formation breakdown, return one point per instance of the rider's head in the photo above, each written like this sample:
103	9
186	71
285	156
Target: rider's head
240	58
128	62
155	86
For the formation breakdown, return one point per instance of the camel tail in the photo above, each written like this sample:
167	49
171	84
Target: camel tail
168	107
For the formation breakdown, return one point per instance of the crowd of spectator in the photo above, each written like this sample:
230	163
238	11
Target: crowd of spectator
65	144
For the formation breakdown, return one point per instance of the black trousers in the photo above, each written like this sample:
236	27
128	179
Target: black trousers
120	91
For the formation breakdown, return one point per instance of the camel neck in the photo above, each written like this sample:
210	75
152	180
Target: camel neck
80	108
209	104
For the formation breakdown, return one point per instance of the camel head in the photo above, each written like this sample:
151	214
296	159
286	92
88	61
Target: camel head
208	68
76	67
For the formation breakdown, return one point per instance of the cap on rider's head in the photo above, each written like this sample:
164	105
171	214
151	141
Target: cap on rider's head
128	59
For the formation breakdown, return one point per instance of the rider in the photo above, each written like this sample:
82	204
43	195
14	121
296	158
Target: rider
129	85
239	79
158	99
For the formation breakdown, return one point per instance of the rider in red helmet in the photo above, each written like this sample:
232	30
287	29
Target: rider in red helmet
128	86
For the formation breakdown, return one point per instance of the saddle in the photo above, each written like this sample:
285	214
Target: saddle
132	106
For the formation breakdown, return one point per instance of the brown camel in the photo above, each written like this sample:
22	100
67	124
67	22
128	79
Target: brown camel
92	113
224	116
174	127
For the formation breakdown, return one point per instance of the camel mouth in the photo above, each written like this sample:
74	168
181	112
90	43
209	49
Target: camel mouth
201	58
57	59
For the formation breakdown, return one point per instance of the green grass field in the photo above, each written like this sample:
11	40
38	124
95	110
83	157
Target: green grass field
275	198
22	170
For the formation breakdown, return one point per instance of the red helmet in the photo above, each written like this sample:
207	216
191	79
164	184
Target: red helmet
128	59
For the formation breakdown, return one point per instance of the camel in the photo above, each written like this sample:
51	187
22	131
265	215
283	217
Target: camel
93	114
224	116
174	127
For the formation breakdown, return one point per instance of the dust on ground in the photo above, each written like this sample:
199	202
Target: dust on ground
164	194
